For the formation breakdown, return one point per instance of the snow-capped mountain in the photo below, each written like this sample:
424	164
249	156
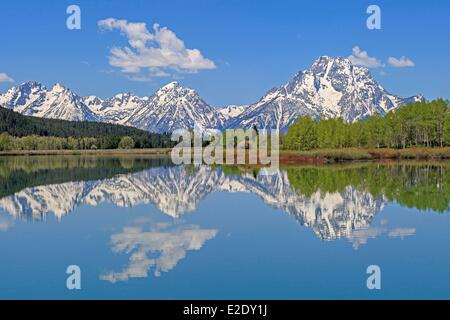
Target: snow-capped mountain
171	107
23	96
174	107
94	103
117	109
232	111
33	99
333	87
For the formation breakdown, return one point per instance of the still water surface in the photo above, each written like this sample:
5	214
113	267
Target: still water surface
139	227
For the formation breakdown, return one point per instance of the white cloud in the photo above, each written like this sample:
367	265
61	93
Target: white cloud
361	58
156	52
155	72
5	78
403	62
140	78
152	73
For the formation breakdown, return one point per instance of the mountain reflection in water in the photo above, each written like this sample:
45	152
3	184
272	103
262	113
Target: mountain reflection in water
229	232
334	201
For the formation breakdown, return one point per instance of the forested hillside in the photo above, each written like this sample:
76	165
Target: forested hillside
20	132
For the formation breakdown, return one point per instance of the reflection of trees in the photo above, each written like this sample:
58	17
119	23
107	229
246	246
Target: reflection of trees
333	201
17	173
425	187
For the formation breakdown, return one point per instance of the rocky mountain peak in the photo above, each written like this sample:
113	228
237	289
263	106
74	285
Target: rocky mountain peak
331	87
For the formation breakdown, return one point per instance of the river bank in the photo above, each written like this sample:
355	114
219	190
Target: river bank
319	156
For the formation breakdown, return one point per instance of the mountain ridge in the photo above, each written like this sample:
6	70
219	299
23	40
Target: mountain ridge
19	125
332	87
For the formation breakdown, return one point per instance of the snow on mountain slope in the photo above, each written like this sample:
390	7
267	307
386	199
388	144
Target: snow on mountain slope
94	103
232	111
174	107
23	96
171	107
333	87
117	109
33	99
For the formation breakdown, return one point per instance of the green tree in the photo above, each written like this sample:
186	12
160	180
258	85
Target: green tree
422	124
5	142
446	129
302	135
126	143
377	131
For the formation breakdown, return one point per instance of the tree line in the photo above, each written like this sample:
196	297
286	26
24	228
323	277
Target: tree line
422	124
19	132
33	142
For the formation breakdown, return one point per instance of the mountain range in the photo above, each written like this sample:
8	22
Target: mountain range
332	87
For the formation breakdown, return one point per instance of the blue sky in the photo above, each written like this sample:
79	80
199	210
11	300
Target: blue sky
253	45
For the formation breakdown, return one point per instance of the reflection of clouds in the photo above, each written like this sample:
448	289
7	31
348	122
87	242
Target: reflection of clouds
171	242
402	232
360	237
5	223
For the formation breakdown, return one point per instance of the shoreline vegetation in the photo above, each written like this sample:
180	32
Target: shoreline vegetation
362	154
287	157
418	131
94	152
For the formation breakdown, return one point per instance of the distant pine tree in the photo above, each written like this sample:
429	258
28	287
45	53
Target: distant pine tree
107	136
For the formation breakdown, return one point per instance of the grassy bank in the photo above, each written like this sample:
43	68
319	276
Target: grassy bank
362	154
153	151
318	156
